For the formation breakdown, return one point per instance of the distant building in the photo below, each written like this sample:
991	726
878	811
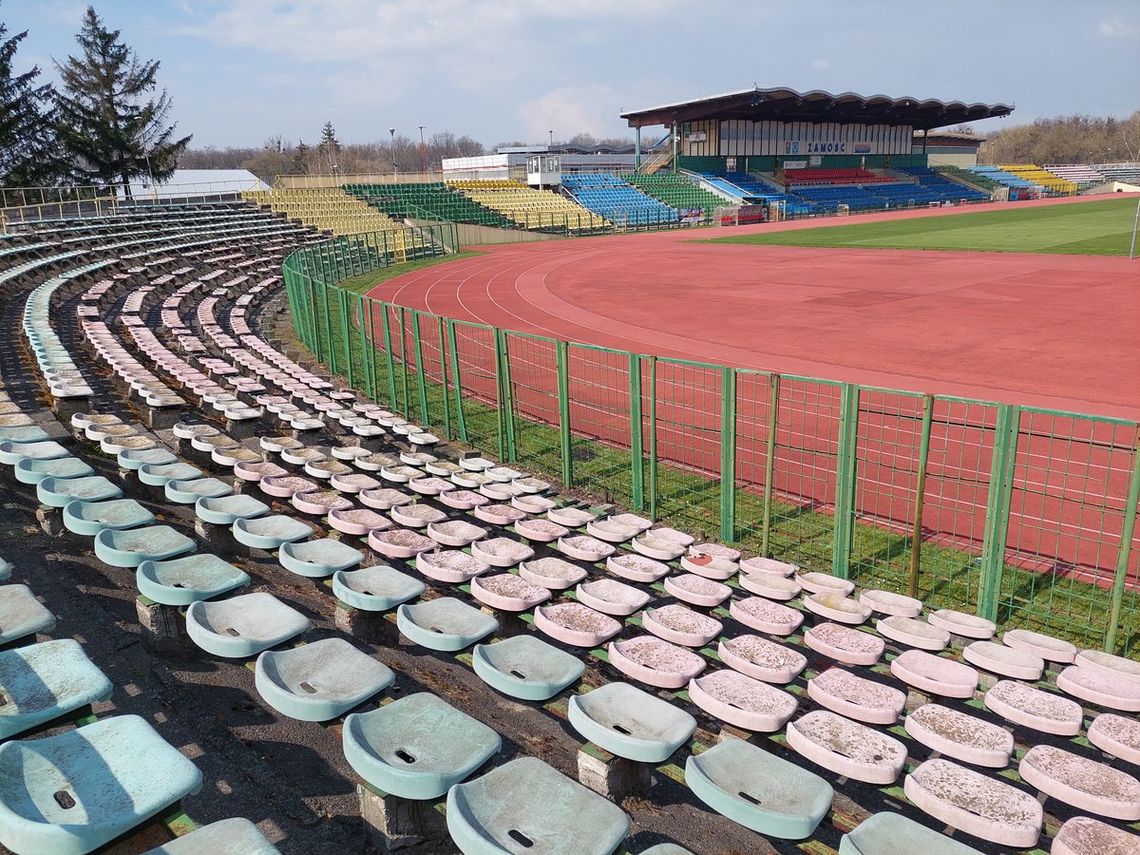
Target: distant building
950	148
193	183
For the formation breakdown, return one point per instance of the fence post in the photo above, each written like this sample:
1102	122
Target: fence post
770	464
418	349
1123	554
460	422
920	495
508	393
561	354
443	381
368	361
652	436
845	480
728	454
636	456
997	509
386	330
499	393
328	328
345	331
406	410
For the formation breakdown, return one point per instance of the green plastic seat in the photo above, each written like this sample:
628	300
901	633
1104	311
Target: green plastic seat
759	790
319	681
269	532
156	475
182	581
528	806
71	793
12	453
31	471
630	723
29	433
378	588
243	626
228	509
131	547
21	614
234	836
890	833
41	682
134	459
417	747
445	623
90	518
58	492
318	558
182	492
526	667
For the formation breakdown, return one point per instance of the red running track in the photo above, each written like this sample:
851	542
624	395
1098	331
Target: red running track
1043	330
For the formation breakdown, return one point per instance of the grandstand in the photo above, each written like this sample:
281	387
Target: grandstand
676	191
1082	175
530	208
433	200
617	201
1054	185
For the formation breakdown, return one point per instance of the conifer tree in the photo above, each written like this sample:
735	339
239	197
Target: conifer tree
112	118
27	150
329	148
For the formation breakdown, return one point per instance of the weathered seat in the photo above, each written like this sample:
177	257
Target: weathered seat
890	833
269	532
1112	665
762	659
611	597
378	588
1082	783
759	790
189	492
575	624
243	626
399	543
131	547
228	509
1116	735
181	581
21	614
963	624
773	586
681	625
319	681
416	747
44	681
234	836
960	736
508	592
59	492
856	697
764	615
445	623
825	583
934	674
12	452
526	805
846	747
526	667
318	559
157	474
1111	690
888	603
834	606
655	661
89	518
30	471
975	803
1004	660
637	568
742	701
1083	835
553	573
358	521
452	566
1034	708
845	644
697	590
1046	646
74	791
630	723
913	633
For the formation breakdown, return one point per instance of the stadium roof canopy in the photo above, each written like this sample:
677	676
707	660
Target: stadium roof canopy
783	104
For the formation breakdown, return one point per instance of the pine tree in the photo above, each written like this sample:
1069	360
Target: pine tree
329	148
111	125
300	158
27	149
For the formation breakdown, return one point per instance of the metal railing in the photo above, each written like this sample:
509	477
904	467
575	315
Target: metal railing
1020	514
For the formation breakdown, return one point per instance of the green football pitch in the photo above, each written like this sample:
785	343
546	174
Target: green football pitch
1085	228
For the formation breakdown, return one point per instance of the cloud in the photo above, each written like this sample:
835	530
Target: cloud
821	64
570	109
1117	28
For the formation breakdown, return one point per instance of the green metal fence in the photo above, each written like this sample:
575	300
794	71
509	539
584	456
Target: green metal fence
1023	515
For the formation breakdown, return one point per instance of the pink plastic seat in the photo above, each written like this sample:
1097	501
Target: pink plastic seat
856	697
508	592
1083	835
1003	660
575	624
888	603
837	607
1033	708
825	583
1046	646
766	616
762	659
1082	783
655	661
913	633
846	747
1116	735
965	625
611	597
934	674
691	588
1111	690
681	625
742	701
1107	662
960	736
845	644
770	585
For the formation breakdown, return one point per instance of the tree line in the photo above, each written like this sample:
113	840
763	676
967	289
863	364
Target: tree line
1066	139
107	123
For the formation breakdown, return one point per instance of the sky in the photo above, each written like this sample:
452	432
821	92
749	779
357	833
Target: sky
241	71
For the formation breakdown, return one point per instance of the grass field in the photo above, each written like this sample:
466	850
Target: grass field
1090	228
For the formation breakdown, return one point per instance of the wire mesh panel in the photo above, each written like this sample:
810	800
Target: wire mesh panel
600	421
431	376
396	338
887	452
1070	486
754	398
475	362
688	422
954	502
807	447
532	371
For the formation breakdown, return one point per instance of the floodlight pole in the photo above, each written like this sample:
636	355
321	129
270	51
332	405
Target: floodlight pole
1135	223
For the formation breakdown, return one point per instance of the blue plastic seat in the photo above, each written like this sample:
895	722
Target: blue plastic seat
73	792
187	492
630	723
21	614
131	547
889	833
15	435
30	471
6	568
270	532
378	588
527	806
319	681
44	681
526	667
90	518
12	453
243	626
445	623
759	790
234	836
417	747
181	581
134	459
57	492
318	558
228	509
156	475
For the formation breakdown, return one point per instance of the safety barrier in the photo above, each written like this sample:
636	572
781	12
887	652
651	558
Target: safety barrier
1022	514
